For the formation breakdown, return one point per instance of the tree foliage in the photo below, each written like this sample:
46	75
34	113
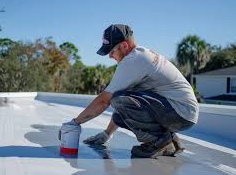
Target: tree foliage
196	56
221	58
194	52
43	66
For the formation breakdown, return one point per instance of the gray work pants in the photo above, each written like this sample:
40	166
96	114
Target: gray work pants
147	107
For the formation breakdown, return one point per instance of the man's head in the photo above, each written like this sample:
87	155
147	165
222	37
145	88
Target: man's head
118	41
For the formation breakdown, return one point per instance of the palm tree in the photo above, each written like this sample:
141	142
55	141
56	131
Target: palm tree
193	51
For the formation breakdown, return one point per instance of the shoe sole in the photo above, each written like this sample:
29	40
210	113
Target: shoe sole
167	149
180	150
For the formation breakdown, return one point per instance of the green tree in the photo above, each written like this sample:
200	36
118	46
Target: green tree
72	82
95	79
14	68
42	66
56	63
193	51
221	58
89	78
5	46
71	51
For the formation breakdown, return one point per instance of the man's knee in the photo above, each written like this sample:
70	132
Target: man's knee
116	98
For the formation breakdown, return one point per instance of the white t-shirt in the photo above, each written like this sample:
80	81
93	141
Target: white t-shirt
144	70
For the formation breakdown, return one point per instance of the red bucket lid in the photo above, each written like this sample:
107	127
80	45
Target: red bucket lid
69	150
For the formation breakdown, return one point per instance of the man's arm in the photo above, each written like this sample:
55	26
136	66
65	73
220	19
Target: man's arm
96	107
112	127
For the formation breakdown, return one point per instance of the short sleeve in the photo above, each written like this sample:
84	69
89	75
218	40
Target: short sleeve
128	72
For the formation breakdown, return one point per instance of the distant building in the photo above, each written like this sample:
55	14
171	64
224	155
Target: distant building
218	86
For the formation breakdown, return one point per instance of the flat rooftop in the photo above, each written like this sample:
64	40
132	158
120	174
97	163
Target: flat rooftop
29	145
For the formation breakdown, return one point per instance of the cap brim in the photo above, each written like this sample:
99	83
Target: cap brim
104	50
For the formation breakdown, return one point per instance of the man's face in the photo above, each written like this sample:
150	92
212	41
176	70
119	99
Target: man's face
118	52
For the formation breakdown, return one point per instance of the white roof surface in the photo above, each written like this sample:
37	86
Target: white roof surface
29	145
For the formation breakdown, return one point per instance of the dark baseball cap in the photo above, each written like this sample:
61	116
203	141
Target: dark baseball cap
114	35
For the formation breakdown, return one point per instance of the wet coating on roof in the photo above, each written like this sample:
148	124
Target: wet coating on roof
29	145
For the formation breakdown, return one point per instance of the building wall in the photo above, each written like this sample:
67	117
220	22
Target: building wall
209	86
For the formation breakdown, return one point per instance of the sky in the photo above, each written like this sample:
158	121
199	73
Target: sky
158	25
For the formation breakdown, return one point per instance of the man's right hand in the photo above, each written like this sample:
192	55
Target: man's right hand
72	123
99	138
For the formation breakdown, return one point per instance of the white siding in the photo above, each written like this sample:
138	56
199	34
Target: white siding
209	86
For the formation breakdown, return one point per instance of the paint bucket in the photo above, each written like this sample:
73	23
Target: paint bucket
70	135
